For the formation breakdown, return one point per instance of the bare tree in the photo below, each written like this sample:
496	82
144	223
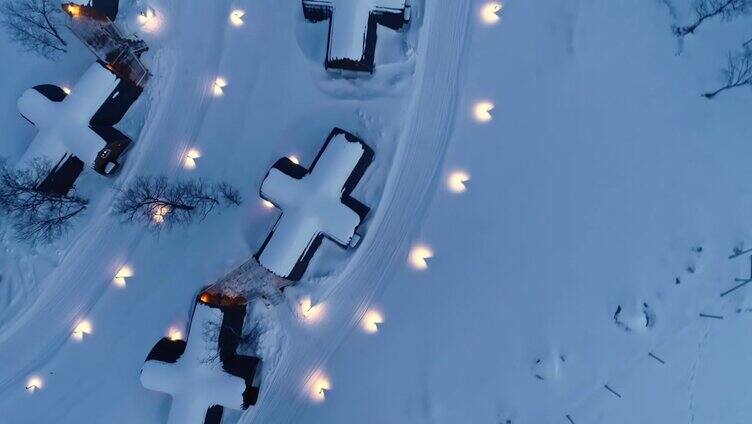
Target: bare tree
159	204
34	25
36	216
737	73
708	9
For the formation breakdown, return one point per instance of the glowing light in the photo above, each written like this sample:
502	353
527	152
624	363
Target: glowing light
294	159
371	321
320	384
66	89
160	213
190	159
482	111
149	20
457	180
489	13
174	334
35	383
236	17
311	313
73	9
219	86
267	204
82	329
123	274
419	256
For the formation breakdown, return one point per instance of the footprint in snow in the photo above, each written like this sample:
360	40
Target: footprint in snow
637	317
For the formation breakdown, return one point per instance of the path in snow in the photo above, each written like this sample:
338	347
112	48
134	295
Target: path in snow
84	273
415	169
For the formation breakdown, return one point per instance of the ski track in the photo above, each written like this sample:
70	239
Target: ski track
407	195
65	295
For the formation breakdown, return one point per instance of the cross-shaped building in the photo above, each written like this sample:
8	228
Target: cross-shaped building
76	126
353	26
205	374
315	203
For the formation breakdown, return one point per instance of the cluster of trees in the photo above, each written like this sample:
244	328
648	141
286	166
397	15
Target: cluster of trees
738	69
39	217
34	25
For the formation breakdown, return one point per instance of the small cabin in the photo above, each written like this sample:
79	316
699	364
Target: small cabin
204	374
77	126
316	204
353	28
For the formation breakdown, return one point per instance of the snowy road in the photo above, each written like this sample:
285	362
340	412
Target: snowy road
184	69
103	246
421	150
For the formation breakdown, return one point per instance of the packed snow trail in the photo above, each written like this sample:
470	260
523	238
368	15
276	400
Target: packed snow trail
86	270
416	168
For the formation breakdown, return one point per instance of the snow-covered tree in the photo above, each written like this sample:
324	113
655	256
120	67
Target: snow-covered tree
709	9
36	216
159	204
737	73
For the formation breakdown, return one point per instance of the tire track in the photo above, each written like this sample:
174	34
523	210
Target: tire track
78	282
407	195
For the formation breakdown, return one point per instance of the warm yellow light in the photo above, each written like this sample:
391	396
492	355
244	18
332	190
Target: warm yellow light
482	111
66	89
419	256
456	181
160	213
35	383
123	274
294	159
190	159
371	321
267	204
82	329
174	334
311	313
489	13
73	9
146	16
219	86
236	17
320	384
149	20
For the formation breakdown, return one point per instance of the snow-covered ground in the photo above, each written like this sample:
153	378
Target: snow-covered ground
602	178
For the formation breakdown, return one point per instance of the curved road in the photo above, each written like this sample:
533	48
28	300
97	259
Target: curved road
69	293
414	174
81	277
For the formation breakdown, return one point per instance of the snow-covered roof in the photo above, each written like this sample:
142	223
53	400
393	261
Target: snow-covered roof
315	203
195	372
77	122
352	28
64	125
